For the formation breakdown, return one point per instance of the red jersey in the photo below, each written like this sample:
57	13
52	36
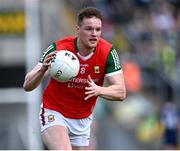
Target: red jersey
68	97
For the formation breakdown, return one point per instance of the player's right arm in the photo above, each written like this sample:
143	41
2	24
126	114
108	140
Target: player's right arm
37	74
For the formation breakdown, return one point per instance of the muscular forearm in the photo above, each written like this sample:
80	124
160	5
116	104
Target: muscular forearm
36	75
33	78
113	92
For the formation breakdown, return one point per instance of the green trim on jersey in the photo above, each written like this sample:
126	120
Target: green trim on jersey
112	63
50	49
75	44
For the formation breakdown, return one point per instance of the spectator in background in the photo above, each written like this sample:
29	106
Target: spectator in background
170	119
163	21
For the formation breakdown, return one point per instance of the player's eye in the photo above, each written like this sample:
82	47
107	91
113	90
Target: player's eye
98	29
89	28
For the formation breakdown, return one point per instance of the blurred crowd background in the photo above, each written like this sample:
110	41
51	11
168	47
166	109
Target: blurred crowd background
146	34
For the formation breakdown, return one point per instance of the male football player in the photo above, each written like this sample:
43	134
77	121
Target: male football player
66	111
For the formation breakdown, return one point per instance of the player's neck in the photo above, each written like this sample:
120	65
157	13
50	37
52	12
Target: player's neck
84	51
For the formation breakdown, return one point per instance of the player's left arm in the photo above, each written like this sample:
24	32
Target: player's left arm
116	90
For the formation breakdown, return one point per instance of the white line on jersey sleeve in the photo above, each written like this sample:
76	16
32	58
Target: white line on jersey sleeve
113	73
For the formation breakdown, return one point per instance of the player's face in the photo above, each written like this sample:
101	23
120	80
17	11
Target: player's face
89	32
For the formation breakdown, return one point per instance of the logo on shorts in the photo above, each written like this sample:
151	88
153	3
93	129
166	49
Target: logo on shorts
51	118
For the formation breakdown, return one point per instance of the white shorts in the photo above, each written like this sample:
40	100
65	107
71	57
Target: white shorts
78	129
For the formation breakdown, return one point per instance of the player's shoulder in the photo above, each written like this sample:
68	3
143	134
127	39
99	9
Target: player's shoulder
104	46
66	39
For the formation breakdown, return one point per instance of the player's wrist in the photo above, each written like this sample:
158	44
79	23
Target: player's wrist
100	91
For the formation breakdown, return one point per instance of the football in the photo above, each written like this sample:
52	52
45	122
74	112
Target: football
64	66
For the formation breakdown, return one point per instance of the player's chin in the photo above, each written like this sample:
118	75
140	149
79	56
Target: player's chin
93	45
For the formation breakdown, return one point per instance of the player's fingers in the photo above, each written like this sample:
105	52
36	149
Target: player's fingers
52	53
88	88
47	61
89	96
89	92
89	78
50	56
91	83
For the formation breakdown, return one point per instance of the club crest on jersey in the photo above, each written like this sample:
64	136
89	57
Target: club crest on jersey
51	118
96	69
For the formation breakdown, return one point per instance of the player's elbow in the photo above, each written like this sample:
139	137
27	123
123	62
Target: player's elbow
122	95
26	87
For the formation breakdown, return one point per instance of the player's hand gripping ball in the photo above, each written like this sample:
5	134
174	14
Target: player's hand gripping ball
64	66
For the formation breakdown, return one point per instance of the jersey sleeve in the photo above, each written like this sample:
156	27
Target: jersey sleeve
50	49
112	64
